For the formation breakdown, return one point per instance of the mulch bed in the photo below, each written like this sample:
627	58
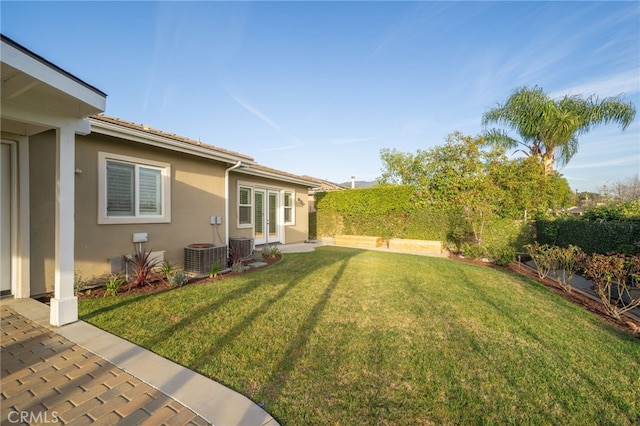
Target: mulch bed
628	323
158	284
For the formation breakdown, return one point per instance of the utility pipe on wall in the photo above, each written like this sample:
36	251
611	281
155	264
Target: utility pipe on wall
226	201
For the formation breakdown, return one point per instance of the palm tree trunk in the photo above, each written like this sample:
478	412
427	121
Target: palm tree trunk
548	160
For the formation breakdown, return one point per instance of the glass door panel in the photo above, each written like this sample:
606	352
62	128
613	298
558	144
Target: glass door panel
274	224
259	218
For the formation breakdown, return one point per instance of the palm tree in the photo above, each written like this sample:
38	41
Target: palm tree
548	128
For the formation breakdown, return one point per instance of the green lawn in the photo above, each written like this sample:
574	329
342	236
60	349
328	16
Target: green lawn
346	336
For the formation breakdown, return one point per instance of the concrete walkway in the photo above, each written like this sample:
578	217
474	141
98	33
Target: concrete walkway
79	374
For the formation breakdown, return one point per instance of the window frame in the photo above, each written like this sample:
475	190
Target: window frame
291	208
165	190
249	205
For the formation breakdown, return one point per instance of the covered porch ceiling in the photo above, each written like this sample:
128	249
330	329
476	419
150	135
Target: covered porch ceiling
33	87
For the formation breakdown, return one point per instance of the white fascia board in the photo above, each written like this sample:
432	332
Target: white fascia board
111	129
52	77
40	117
247	170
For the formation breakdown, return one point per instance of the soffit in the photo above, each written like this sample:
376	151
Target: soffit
31	83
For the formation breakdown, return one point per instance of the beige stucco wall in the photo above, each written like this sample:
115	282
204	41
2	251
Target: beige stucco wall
197	192
42	213
292	233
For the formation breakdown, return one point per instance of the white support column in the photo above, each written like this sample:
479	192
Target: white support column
23	288
64	305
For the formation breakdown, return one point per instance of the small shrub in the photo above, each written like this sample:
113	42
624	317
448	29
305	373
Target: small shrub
167	270
271	250
178	278
113	284
142	268
505	256
569	260
237	267
215	269
473	251
633	264
542	257
610	275
235	255
258	256
78	282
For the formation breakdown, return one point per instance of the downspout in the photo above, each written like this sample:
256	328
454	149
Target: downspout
226	201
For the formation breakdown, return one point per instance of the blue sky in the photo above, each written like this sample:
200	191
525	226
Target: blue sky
318	88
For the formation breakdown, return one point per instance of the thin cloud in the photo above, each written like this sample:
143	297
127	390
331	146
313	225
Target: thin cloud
263	117
600	164
347	141
253	110
415	20
625	82
283	148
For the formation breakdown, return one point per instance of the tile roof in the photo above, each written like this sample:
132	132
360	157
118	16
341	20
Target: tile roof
173	136
324	185
259	167
249	167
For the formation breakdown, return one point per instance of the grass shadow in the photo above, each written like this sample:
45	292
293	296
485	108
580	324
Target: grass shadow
281	372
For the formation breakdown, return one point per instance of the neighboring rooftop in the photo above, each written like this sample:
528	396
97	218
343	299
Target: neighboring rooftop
321	185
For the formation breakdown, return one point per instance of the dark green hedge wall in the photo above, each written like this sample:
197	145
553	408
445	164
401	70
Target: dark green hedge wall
592	236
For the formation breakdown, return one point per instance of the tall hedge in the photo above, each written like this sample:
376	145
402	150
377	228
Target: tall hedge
380	211
592	236
394	212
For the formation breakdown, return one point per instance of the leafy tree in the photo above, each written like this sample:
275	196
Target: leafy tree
402	168
549	129
462	168
530	193
623	190
616	210
456	176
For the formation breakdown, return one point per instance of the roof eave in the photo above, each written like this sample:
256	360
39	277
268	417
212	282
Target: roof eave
140	136
298	180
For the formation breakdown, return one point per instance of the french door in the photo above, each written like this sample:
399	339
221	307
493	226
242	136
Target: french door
266	216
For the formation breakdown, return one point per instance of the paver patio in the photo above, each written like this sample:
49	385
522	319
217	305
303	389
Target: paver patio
68	375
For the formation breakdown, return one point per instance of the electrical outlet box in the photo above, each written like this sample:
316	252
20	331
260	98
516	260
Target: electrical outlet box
218	220
140	237
212	220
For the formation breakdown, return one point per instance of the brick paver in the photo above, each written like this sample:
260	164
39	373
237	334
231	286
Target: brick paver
49	379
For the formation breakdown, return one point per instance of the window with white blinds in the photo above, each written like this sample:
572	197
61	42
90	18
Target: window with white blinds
133	190
120	189
150	191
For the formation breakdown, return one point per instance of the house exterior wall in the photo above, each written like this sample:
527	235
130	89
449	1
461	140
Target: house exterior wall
197	192
291	233
42	211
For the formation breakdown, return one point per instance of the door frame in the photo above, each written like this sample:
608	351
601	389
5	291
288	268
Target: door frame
13	214
266	219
